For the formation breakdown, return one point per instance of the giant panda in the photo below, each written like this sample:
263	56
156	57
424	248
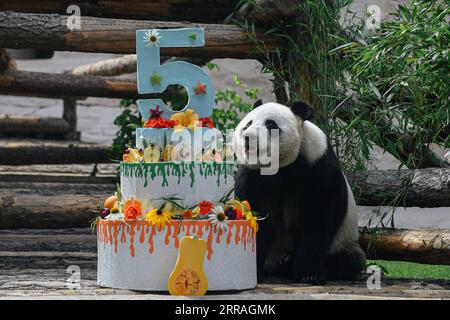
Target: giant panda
311	232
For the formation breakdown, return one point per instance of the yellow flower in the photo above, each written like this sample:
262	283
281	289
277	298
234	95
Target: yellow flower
159	218
187	119
253	221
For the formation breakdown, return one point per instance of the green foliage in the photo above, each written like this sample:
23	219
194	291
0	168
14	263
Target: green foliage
399	79
127	123
235	105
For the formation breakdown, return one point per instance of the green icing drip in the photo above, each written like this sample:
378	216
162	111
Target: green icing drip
167	169
192	174
145	176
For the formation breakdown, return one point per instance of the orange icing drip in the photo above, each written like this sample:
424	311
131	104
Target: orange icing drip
230	226
116	242
167	240
150	239
200	230
244	236
132	239
110	237
123	238
175	234
142	236
237	238
108	233
219	234
209	241
188	229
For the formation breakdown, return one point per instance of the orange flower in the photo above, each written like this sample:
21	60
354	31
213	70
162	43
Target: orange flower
132	209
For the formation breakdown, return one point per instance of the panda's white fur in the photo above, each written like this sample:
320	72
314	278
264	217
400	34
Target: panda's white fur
347	235
300	138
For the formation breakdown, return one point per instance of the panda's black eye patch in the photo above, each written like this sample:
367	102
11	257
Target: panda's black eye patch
271	125
247	125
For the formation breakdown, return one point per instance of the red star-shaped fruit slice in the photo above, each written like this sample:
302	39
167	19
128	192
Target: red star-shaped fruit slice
200	88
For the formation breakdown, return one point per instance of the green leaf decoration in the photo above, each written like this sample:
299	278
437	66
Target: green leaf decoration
193	36
155	79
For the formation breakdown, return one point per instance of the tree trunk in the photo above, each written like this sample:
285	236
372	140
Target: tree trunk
422	246
423	188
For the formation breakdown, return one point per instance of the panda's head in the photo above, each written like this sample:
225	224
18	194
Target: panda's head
297	134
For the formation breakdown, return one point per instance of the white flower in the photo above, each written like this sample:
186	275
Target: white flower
218	217
152	37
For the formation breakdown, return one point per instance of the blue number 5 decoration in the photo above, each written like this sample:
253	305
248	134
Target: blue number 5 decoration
154	77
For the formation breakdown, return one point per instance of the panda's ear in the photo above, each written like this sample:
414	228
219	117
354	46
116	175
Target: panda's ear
257	103
303	109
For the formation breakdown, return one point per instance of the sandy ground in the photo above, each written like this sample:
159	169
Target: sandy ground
96	116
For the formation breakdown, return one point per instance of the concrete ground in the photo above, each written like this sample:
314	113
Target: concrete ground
35	265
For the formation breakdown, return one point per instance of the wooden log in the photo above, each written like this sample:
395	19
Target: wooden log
68	86
109	67
425	187
265	11
19	152
123	65
184	10
70	115
91	169
103	173
21	30
50	84
50	205
32	124
422	246
48	240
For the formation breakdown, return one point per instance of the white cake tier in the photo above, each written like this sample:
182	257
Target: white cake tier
191	181
138	256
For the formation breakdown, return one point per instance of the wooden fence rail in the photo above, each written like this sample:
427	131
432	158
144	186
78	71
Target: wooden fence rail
49	31
192	10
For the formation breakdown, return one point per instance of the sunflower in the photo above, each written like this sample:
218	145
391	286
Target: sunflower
187	119
253	221
152	37
159	218
218	218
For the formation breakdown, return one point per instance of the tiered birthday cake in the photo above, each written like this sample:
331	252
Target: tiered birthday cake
177	182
